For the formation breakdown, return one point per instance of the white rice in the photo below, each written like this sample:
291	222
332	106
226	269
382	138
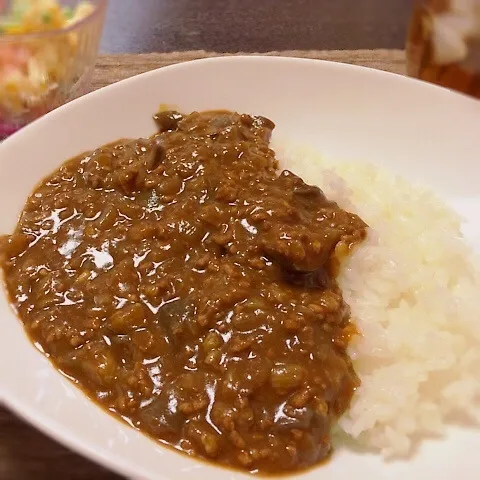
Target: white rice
414	289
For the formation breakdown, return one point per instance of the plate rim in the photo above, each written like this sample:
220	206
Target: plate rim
48	424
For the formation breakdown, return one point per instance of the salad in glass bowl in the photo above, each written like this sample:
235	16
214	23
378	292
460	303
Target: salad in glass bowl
47	54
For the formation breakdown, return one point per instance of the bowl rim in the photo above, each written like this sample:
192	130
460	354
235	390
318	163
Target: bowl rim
100	7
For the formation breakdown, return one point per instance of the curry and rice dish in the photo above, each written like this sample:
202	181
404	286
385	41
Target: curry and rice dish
231	310
190	288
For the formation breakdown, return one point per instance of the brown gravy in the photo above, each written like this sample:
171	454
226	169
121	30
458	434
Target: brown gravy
188	287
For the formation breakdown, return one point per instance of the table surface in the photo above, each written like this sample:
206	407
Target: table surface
254	25
216	26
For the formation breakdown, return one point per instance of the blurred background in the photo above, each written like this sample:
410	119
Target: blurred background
254	25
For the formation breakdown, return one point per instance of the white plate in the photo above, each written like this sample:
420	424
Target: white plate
424	132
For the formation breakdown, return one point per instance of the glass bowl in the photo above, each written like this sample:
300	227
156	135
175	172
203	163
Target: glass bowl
41	71
443	44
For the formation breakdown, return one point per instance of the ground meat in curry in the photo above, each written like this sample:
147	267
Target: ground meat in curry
187	286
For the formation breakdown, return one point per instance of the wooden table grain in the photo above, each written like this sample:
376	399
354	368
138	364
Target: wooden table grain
225	26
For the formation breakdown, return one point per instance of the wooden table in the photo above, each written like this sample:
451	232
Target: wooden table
215	26
254	25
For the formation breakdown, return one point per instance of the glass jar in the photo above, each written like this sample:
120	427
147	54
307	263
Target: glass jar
443	44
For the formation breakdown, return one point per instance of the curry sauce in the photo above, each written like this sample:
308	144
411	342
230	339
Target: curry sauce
186	286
